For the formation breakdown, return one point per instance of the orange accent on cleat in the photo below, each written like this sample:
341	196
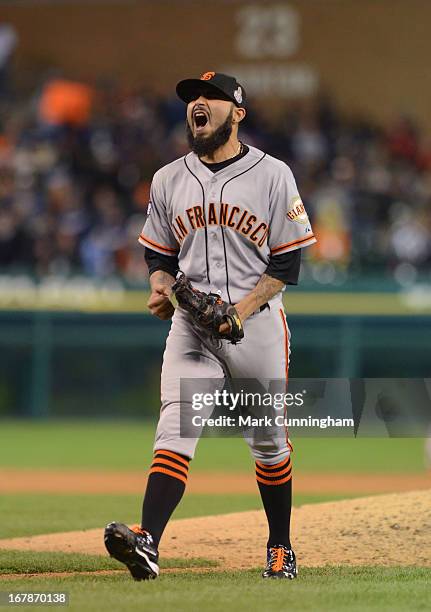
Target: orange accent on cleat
277	565
138	529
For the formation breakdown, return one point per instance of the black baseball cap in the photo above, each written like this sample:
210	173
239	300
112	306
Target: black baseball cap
224	86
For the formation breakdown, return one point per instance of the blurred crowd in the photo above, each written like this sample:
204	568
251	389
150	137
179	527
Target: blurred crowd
76	163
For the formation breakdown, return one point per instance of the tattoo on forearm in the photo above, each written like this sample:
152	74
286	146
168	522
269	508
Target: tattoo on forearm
163	278
266	288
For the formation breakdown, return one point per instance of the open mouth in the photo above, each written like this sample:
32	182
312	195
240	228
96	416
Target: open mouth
200	118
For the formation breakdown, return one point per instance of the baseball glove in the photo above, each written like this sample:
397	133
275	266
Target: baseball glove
208	312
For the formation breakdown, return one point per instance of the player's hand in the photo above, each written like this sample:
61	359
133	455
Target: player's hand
224	328
159	303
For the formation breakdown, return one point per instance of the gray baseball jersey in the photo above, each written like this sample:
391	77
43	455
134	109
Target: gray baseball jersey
224	226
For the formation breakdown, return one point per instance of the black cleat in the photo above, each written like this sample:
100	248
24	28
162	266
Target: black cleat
135	548
281	563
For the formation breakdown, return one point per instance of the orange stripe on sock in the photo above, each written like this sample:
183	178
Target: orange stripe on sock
266	466
282	472
162	470
171	464
273	482
173	455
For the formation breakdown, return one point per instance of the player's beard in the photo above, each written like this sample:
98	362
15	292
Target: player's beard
207	145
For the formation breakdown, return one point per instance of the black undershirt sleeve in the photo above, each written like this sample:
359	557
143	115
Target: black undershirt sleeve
285	267
157	261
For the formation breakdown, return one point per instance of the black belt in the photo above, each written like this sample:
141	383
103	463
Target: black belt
266	305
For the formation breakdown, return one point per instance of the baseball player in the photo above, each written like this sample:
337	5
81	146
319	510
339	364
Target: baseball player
230	218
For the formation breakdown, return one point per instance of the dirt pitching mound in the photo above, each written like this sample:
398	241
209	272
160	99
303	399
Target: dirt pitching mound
381	530
15	480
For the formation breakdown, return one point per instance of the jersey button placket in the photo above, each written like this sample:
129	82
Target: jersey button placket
215	253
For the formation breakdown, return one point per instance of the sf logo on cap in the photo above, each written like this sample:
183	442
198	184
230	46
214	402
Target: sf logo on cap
238	94
207	76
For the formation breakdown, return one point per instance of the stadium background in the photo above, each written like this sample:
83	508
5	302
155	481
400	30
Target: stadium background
87	114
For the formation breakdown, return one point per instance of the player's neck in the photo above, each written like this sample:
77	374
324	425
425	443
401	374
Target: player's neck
230	149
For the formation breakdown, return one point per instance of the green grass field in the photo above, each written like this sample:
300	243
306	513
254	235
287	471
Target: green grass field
317	589
123	446
127	446
56	513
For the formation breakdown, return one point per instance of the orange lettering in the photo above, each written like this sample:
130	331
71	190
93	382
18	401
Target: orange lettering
244	214
200	221
177	234
223	213
190	216
250	221
181	226
235	210
253	235
212	216
262	240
